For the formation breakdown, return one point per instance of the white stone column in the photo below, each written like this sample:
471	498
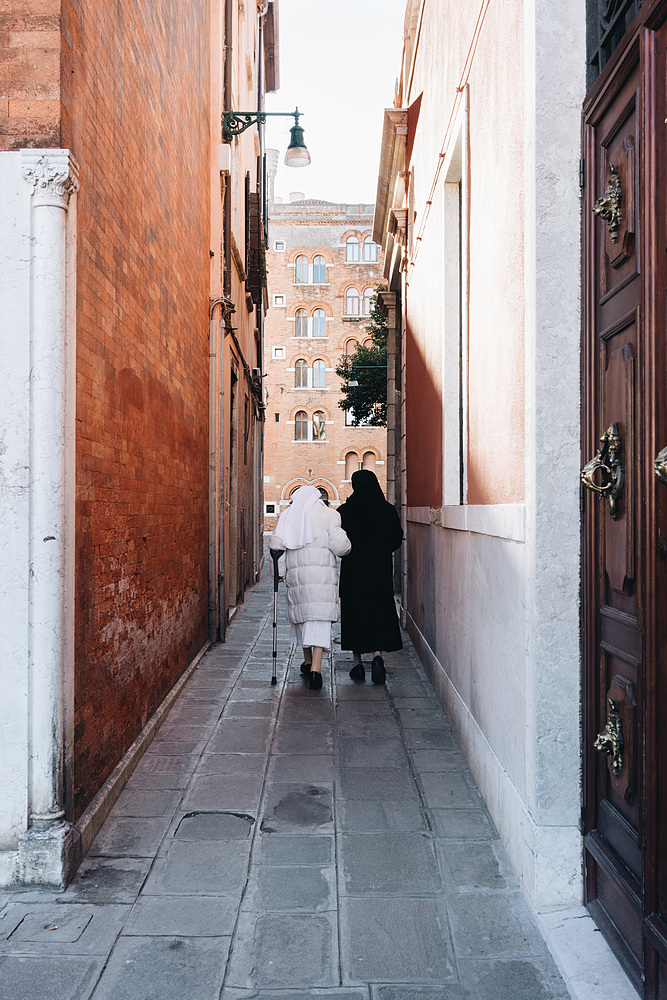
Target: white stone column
53	176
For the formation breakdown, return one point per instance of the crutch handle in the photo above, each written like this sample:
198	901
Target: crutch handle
275	555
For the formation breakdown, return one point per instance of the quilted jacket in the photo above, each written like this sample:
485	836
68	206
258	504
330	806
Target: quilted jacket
310	573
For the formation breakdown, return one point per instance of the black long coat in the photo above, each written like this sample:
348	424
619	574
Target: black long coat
368	613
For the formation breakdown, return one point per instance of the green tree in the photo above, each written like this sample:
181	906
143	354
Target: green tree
367	366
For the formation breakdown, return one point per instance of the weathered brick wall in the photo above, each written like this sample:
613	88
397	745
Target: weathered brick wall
29	73
135	99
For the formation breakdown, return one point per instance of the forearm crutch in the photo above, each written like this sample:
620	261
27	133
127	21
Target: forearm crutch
275	555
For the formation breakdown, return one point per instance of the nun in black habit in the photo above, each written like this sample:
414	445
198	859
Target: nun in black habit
368	614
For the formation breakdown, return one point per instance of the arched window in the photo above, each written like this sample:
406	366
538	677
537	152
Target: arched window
319	270
352	302
351	464
319	323
351	346
366	302
301	324
318	426
368	461
352	248
318	374
301	374
301	426
324	494
301	269
370	249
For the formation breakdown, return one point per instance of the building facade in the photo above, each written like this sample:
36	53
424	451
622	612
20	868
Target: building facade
323	269
131	307
533	350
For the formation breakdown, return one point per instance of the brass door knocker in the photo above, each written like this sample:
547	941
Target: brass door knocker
610	740
660	466
608	462
608	207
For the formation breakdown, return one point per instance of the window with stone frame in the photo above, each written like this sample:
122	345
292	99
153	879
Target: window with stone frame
352	249
319	426
370	249
301	374
301	426
301	269
352	302
301	323
319	270
319	323
318	374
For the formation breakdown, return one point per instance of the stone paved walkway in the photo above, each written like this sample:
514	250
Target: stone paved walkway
282	844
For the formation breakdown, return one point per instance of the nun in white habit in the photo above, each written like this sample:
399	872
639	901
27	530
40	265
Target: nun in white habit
310	534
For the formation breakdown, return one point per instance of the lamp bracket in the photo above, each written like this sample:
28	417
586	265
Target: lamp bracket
236	122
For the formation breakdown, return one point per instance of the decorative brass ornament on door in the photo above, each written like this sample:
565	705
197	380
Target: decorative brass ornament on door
608	207
660	466
610	740
608	462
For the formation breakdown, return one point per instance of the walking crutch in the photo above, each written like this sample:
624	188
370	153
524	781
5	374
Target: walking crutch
275	555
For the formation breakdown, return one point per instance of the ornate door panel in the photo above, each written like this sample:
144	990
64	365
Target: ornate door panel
622	373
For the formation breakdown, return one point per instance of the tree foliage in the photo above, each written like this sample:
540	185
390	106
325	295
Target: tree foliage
368	366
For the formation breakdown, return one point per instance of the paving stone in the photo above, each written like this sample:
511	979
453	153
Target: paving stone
174	747
280	889
232	763
47	978
187	916
146	802
381	863
430	739
353	691
298	807
358	816
250	710
363	709
249	736
286	950
155	763
214	826
311	994
438	760
224	792
375	727
164	968
395	940
473	865
145	780
309	850
462	824
130	837
383	785
300	767
306	739
487	925
452	992
423	719
515	980
60	928
371	753
108	880
448	789
203	867
184	732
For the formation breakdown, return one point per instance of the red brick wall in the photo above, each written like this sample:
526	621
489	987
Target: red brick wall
29	73
135	100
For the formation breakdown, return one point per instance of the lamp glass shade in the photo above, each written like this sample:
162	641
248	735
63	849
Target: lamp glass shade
353	384
297	154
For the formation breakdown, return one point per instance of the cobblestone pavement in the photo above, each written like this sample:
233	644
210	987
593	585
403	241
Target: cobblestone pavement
284	844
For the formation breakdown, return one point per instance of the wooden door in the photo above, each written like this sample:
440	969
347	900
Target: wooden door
626	523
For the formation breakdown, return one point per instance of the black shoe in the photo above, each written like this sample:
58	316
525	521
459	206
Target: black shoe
357	673
378	673
315	680
305	668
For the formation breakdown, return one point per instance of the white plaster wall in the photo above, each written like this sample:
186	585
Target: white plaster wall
14	487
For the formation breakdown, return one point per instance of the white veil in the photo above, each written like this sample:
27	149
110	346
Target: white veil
296	527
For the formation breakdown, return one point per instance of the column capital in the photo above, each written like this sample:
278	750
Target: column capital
53	175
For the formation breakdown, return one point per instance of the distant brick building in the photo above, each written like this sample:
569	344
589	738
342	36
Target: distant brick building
323	268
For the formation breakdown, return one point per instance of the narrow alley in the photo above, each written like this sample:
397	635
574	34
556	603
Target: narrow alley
275	842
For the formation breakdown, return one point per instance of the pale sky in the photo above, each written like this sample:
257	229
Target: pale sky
339	60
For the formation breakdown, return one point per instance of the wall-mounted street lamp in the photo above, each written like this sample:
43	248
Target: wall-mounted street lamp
236	122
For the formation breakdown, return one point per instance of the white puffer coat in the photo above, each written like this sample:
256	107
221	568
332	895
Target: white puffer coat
310	575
